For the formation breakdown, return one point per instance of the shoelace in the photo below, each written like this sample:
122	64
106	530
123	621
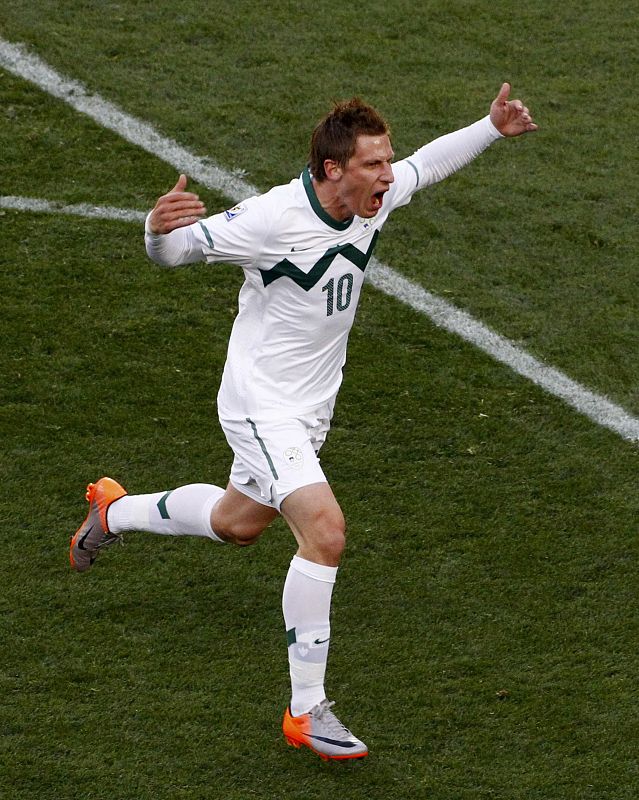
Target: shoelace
109	538
323	713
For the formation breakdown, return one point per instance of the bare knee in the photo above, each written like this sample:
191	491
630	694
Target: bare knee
325	538
317	523
236	532
240	520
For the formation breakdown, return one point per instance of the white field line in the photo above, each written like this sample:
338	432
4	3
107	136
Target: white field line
445	315
17	60
79	210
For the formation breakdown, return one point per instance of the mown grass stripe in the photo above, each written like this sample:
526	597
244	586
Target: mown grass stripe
16	59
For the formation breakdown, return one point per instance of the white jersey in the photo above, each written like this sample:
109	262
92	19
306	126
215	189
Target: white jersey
303	275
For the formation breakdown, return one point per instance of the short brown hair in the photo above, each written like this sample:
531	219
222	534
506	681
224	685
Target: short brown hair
335	137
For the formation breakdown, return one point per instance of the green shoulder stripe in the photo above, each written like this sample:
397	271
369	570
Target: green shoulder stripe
416	171
207	233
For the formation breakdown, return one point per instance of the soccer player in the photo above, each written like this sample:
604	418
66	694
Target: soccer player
303	248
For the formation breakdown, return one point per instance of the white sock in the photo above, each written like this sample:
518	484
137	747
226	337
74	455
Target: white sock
306	603
181	512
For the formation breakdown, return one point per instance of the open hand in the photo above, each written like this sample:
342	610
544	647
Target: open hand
176	209
510	117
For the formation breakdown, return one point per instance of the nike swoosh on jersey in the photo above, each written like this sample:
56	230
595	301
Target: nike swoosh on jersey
307	280
321	641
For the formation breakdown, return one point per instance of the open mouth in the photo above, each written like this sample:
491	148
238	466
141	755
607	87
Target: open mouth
378	199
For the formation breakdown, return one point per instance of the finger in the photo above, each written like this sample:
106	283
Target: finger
502	97
181	222
176	219
180	186
164	219
182	202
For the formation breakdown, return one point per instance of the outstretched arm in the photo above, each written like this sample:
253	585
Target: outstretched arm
446	154
510	117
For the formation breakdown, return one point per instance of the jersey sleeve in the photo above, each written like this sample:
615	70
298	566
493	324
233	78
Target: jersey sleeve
441	158
172	249
234	237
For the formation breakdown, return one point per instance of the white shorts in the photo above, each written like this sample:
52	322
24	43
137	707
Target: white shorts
275	457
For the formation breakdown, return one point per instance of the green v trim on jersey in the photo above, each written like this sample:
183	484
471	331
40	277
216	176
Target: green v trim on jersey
317	206
307	280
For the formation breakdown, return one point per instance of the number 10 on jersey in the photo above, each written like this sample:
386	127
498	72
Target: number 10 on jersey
338	296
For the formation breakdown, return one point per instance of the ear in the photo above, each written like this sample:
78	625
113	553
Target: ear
332	169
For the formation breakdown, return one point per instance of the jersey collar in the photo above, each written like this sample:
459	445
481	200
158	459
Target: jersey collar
317	206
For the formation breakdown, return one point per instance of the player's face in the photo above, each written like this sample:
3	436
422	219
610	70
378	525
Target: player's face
367	175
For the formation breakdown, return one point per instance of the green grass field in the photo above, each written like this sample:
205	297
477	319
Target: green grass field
485	619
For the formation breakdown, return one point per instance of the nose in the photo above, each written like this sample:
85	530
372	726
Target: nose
388	176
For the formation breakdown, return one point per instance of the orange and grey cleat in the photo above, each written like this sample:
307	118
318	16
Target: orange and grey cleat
323	733
94	533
